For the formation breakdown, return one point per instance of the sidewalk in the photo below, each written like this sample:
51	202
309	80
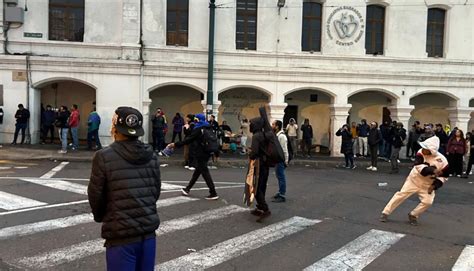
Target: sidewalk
50	152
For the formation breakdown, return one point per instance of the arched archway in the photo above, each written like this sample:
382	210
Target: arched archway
313	104
430	106
243	101
64	91
371	104
175	98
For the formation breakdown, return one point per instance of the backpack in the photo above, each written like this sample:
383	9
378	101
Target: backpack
290	148
209	141
273	150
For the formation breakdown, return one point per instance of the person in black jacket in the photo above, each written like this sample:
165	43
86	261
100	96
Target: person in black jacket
307	131
373	139
257	151
195	140
188	153
123	189
397	137
22	115
47	121
62	123
347	146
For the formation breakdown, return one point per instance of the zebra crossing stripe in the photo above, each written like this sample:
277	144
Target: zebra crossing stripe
168	186
466	260
70	221
237	246
92	247
55	170
11	202
59	184
358	253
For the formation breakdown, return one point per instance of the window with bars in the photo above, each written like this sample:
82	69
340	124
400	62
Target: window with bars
177	21
66	20
435	32
311	34
374	30
246	28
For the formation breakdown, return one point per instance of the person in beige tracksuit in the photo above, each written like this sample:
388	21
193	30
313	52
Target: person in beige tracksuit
429	173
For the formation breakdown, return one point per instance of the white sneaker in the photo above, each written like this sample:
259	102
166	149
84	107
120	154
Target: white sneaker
62	151
374	169
370	168
398	161
192	168
186	167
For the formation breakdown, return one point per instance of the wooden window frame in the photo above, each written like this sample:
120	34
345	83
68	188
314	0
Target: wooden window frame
435	27
69	33
178	36
372	24
247	15
311	32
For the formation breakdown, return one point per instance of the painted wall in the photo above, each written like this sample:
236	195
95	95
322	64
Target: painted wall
243	101
368	105
318	113
430	108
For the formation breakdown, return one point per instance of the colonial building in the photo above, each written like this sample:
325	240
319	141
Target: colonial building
331	61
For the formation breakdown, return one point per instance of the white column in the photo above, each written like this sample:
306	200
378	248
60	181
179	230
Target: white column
215	108
277	111
339	114
146	120
460	117
34	106
402	114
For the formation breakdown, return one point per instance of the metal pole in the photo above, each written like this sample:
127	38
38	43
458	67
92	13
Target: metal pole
210	61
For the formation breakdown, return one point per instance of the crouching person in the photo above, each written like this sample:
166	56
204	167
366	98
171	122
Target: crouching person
428	174
123	189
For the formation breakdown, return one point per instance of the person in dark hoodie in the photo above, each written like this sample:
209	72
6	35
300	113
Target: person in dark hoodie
196	144
374	138
123	189
47	121
363	132
257	152
346	146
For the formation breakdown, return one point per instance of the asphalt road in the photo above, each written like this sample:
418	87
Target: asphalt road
330	220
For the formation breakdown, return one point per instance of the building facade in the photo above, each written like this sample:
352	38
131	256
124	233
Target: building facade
331	61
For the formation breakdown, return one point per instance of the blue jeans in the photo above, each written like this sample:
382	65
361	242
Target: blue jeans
93	136
75	139
20	127
138	256
64	132
280	174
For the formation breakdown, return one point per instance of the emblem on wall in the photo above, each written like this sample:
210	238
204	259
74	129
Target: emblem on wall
345	25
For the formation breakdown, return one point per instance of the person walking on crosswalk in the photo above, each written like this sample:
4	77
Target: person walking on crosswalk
123	190
197	146
429	173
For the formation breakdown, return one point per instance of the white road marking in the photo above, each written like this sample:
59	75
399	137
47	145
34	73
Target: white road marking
237	246
359	253
89	248
2	168
168	186
11	202
55	170
60	185
44	207
205	188
64	222
465	261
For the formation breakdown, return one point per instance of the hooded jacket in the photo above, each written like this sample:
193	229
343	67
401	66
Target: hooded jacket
123	189
195	138
258	139
423	172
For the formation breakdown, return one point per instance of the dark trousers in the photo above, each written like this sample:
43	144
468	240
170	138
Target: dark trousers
202	169
138	256
18	127
93	136
455	163
176	134
349	157
307	144
46	130
469	164
373	154
262	186
158	139
394	158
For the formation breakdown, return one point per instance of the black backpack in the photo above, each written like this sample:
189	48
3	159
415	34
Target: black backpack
273	151
290	148
209	140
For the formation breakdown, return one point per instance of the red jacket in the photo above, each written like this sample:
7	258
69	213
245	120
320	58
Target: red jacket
456	147
74	119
